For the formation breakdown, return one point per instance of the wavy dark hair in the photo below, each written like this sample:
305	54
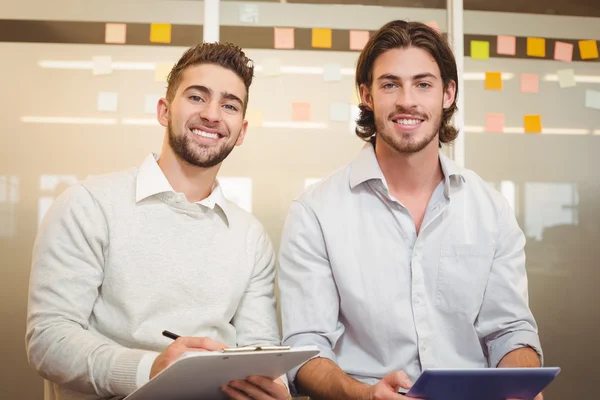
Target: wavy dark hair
403	34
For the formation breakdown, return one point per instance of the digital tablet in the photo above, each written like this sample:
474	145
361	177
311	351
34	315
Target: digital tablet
200	375
482	383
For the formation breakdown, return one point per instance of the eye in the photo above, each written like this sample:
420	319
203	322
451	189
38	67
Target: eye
423	85
196	99
230	107
389	85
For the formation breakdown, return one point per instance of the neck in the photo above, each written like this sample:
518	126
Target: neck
194	182
409	173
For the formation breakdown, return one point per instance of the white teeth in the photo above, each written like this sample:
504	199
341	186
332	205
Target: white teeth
205	134
407	121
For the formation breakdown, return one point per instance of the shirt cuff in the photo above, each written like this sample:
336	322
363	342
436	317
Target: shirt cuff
144	368
512	341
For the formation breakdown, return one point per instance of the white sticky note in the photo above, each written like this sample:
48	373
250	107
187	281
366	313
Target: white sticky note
566	78
271	67
592	99
332	72
150	103
108	101
354	114
237	190
249	13
102	65
339	112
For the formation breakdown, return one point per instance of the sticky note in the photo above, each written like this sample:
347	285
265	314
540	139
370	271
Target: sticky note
115	33
339	112
530	83
592	99
284	38
254	118
301	112
102	65
480	50
332	72
493	81
566	78
271	67
536	47
506	45
358	39
533	124
162	71
160	33
434	25
108	101
249	13
494	123
588	49
563	51
150	103
321	38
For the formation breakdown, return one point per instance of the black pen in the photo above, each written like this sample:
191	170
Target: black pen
170	335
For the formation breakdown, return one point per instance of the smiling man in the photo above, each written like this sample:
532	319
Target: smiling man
122	257
403	261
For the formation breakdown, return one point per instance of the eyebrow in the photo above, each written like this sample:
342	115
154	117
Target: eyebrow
393	77
224	95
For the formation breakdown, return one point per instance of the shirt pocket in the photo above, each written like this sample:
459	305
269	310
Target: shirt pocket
462	277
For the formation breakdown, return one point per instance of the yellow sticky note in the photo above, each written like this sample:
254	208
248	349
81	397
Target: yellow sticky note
162	72
536	47
493	81
588	49
321	38
480	50
160	33
254	118
533	124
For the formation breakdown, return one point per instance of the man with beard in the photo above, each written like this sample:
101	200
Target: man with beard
122	257
403	261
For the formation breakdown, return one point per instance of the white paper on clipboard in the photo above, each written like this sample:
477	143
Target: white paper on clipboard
200	375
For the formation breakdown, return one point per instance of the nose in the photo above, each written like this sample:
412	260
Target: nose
406	98
211	112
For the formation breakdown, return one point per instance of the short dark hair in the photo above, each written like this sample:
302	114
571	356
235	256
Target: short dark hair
403	34
226	55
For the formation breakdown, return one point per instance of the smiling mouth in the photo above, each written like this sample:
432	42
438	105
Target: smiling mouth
407	121
209	135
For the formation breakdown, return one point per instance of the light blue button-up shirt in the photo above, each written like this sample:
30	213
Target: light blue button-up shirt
358	282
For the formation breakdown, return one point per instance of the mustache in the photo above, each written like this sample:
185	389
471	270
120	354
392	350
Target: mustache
412	113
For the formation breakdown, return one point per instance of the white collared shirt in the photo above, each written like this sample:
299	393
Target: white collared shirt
358	282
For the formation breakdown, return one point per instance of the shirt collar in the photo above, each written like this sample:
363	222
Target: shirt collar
152	181
366	167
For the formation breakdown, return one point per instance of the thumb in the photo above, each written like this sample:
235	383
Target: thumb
398	379
201	343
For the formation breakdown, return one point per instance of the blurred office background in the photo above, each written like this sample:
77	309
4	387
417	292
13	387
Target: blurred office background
80	80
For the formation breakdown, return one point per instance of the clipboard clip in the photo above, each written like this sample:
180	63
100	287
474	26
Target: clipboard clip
250	349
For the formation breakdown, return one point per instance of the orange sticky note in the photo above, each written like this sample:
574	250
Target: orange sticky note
493	81
588	49
563	51
507	45
530	83
358	39
480	50
115	33
494	123
301	112
160	33
533	124
536	47
321	38
284	38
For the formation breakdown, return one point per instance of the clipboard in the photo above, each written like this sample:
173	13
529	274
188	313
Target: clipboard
482	383
200	375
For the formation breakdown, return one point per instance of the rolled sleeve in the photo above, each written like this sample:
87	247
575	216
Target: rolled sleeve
308	294
505	321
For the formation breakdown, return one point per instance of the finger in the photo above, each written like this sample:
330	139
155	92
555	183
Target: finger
273	388
200	343
398	379
250	390
233	393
